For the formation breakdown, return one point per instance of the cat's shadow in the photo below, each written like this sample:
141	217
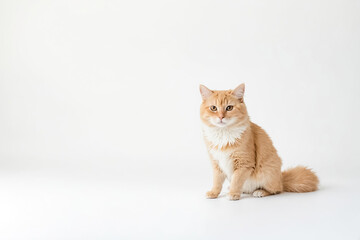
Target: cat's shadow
283	194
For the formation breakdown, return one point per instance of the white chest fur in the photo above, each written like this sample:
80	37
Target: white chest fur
224	161
220	137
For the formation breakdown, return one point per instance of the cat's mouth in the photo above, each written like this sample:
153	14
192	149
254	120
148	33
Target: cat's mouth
220	124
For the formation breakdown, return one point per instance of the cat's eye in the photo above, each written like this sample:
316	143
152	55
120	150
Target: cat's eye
229	108
213	108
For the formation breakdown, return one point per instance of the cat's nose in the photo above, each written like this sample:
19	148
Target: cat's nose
221	116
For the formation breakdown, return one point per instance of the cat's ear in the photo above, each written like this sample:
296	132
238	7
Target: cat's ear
205	92
239	91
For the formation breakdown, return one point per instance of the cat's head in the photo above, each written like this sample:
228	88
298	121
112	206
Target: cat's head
223	108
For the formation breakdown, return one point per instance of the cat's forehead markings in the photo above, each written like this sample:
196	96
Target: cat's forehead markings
221	98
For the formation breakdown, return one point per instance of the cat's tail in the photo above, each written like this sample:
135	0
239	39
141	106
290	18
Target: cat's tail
299	179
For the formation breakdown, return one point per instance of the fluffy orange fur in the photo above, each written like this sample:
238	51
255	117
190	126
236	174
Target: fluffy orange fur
242	152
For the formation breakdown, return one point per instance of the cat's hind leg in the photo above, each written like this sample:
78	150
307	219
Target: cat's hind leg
260	193
269	188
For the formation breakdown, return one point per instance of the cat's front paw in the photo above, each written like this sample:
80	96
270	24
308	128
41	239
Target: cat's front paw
234	196
212	194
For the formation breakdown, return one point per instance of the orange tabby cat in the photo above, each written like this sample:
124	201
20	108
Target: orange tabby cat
242	152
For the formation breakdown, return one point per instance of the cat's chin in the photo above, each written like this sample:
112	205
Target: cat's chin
220	125
223	124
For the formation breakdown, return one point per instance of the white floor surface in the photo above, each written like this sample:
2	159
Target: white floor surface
55	205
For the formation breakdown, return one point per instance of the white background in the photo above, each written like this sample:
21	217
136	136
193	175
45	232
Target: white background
99	116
